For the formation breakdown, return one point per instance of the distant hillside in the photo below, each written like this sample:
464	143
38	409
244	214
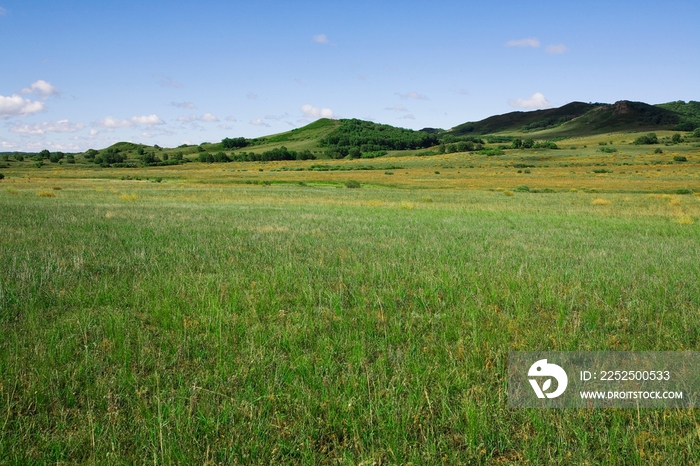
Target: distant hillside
525	121
689	113
580	119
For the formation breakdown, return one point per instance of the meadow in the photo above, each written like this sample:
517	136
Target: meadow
265	313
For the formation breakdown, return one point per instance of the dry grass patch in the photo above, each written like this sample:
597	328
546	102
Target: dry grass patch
685	220
128	197
45	193
600	201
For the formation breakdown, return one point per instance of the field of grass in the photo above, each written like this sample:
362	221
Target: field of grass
256	313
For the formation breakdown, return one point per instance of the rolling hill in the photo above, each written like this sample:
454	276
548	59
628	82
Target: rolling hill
581	119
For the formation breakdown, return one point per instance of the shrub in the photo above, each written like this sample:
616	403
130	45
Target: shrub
2	177
650	138
684	191
523	189
658	151
18	157
679	158
353	184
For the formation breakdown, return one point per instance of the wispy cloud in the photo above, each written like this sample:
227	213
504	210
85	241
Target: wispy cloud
556	49
407	117
41	89
310	111
60	126
320	39
536	100
17	106
277	117
206	118
251	96
3	11
412	95
231	118
530	42
187	105
397	108
166	81
258	122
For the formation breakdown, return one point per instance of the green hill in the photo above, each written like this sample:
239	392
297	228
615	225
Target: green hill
525	121
581	119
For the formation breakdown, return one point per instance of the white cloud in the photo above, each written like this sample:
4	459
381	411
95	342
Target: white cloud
41	88
397	108
149	120
60	126
187	105
17	106
68	147
314	112
556	49
94	132
231	118
209	118
187	119
536	100
8	145
226	127
113	123
320	39
258	122
408	117
531	42
412	95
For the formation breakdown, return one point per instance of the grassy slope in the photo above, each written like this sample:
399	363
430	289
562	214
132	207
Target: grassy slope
585	120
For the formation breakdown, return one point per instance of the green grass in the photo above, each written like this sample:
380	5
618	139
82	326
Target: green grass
295	324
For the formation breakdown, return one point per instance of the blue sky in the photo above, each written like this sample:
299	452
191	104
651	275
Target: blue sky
78	74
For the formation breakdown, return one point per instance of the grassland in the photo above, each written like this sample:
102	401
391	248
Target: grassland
263	313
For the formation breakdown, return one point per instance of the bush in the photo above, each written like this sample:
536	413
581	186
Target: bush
650	138
684	191
696	133
2	177
18	157
352	184
680	158
522	189
658	150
